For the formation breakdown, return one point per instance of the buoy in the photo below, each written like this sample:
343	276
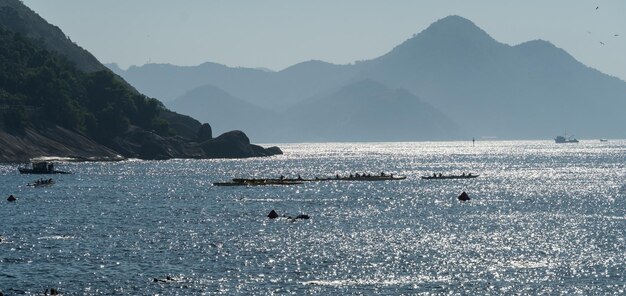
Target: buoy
272	215
11	198
464	196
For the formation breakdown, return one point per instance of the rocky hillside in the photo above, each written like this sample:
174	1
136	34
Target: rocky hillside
57	103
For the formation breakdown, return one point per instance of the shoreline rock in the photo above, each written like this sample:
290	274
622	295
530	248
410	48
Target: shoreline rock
60	143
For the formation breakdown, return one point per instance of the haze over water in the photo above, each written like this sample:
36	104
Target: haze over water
544	218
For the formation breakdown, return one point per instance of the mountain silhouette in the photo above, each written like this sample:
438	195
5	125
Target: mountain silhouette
274	90
533	90
208	103
368	111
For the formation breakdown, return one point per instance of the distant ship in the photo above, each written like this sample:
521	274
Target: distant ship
565	139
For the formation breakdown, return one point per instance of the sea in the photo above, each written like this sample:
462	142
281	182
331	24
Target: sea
543	218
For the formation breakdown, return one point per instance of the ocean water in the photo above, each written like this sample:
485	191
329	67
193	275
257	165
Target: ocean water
544	218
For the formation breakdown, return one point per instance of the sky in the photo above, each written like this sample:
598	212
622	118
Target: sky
276	34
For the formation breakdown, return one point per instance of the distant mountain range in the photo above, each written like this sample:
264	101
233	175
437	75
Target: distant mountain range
469	84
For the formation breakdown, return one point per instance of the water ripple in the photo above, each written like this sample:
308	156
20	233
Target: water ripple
543	219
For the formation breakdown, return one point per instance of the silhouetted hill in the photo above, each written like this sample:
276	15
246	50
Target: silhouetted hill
272	90
115	68
211	104
368	111
531	90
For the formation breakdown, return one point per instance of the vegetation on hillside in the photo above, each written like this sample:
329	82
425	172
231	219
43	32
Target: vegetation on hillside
38	87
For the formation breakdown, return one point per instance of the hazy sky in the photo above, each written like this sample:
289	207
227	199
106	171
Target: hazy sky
276	34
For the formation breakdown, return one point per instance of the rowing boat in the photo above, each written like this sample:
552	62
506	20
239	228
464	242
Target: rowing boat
41	183
352	178
449	177
365	178
256	183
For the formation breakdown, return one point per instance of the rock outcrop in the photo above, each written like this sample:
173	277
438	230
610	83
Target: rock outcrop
138	143
235	144
21	146
205	133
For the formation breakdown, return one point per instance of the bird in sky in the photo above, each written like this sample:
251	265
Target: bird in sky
601	42
597	7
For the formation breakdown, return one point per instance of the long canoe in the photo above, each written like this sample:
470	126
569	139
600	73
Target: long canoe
449	177
366	178
256	183
353	178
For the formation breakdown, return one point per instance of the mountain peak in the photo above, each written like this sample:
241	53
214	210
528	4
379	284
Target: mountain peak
456	27
453	20
546	52
451	36
537	44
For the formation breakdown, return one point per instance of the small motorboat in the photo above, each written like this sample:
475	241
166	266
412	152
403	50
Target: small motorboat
42	167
